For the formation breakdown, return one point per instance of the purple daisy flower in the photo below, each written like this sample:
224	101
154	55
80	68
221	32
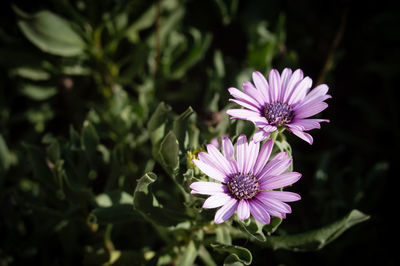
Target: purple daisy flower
247	181
284	101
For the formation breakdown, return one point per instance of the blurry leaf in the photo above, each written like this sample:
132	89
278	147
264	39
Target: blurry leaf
146	20
180	126
53	151
189	255
237	254
90	140
51	34
222	235
38	93
41	171
4	155
245	127
228	11
159	116
177	69
317	239
115	214
205	256
31	73
147	205
169	153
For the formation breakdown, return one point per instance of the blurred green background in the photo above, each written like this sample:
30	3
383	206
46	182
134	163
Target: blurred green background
80	80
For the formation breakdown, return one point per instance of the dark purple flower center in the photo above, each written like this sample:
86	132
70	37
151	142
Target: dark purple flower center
278	113
243	186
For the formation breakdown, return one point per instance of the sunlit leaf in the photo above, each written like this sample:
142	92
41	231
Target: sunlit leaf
38	93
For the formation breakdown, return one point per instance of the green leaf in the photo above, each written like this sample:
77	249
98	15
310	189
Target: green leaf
41	171
169	153
38	93
51	34
273	225
115	214
148	206
253	229
5	159
180	126
319	238
237	253
189	255
205	256
222	235
159	116
31	73
90	140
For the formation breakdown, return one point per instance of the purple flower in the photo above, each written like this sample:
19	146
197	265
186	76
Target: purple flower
247	181
284	101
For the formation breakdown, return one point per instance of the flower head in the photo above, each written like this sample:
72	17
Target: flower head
247	181
284	100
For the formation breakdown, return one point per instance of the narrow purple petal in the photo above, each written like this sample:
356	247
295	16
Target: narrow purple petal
295	78
220	160
216	201
285	196
208	188
259	212
300	91
249	89
243	210
245	105
280	181
210	171
275	85
263	156
304	136
261	85
307	124
276	205
306	103
251	155
310	110
244	98
226	211
276	167
241	147
317	91
209	160
242	114
274	161
285	77
227	148
260	135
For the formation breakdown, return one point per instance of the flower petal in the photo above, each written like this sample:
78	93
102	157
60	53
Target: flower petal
260	135
249	89
304	136
245	99
241	147
310	110
220	159
210	171
208	188
271	164
275	85
242	114
216	201
226	211
263	156
258	211
300	91
208	159
261	85
285	77
243	210
280	181
251	155
295	78
276	167
285	196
